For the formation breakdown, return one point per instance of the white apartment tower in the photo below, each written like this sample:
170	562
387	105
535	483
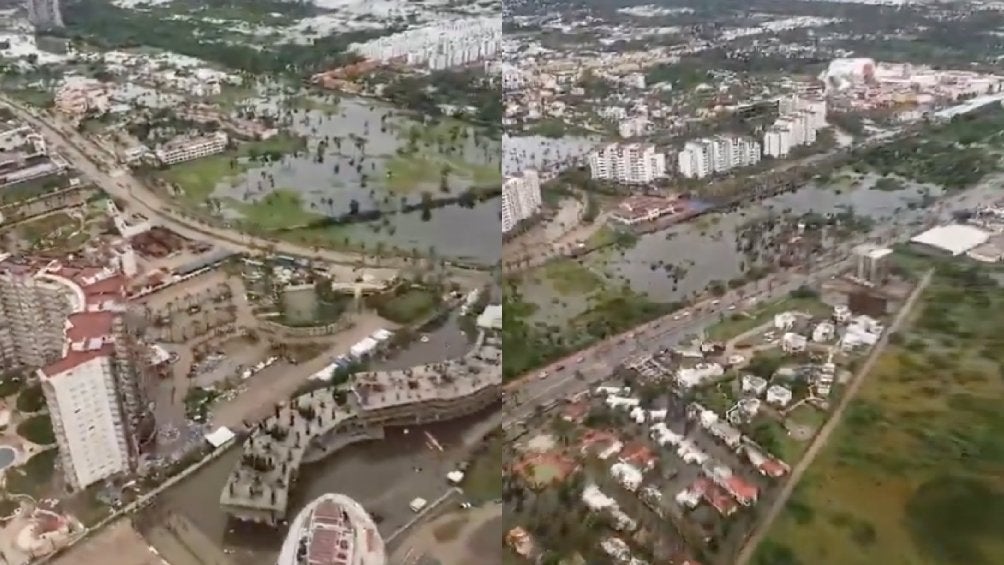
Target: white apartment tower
631	163
520	199
69	320
799	120
703	157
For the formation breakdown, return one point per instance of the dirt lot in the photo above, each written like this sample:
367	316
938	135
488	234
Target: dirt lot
118	543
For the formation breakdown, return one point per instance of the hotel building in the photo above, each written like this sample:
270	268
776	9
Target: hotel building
71	322
630	163
188	148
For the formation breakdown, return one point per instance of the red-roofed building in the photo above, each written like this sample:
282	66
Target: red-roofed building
639	455
741	490
67	318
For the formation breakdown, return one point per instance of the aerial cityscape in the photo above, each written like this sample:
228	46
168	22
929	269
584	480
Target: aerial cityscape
439	282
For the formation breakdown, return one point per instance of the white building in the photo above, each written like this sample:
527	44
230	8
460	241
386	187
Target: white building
189	148
823	332
627	475
753	384
707	156
799	120
778	395
520	199
93	391
440	45
628	163
793	343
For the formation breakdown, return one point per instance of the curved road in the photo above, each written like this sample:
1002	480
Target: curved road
93	161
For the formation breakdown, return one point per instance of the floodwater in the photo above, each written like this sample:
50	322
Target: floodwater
542	153
705	249
351	156
380	475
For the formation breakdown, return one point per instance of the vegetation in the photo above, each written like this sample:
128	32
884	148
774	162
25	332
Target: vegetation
406	304
10	385
532	344
37	430
955	155
34	477
915	471
198	401
31	399
111	27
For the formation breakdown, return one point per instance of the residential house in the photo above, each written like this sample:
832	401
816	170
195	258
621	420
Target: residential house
753	385
793	343
779	396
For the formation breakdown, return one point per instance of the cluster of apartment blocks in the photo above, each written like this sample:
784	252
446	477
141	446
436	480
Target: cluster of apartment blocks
68	322
637	163
797	124
438	46
708	156
628	163
520	199
428	393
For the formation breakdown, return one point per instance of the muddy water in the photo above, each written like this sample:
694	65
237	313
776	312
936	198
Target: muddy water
380	475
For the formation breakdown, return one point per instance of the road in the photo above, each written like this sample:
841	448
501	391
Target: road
598	361
777	505
92	161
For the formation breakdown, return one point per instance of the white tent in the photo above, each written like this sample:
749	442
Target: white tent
220	437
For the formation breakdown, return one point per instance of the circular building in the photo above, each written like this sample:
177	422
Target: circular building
333	530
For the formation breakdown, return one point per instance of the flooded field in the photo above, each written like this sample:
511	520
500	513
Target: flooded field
681	261
362	158
542	153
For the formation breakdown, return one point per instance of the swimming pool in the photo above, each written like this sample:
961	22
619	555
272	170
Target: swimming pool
7	456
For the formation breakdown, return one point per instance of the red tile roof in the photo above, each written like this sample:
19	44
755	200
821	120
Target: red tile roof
74	359
89	325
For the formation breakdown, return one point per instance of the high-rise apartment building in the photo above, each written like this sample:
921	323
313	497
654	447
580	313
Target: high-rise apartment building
703	157
45	14
71	322
799	120
630	163
520	199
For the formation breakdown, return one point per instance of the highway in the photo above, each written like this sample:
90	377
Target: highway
94	163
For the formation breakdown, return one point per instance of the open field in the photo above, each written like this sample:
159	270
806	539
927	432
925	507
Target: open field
915	472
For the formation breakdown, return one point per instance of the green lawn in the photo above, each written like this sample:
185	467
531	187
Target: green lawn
31	399
37	429
199	178
34	477
282	208
915	471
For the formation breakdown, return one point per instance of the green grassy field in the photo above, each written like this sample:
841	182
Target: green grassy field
282	208
914	474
